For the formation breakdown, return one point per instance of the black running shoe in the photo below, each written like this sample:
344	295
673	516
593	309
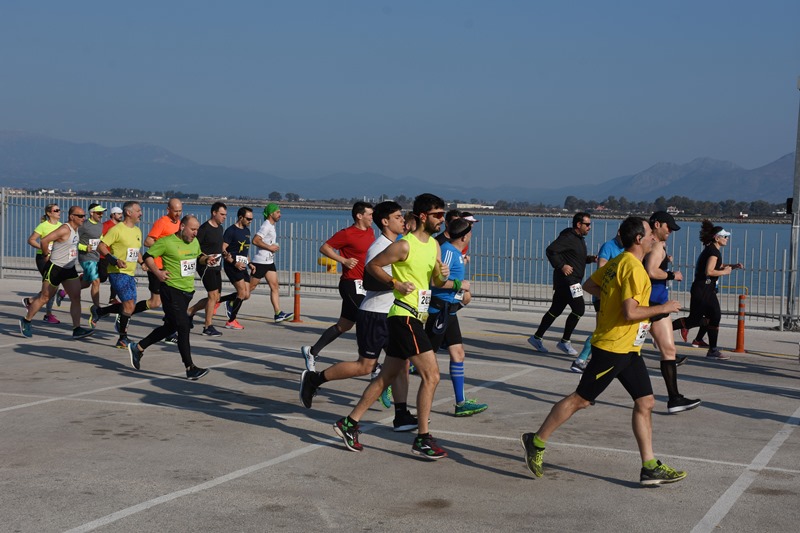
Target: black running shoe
405	422
307	390
195	372
681	404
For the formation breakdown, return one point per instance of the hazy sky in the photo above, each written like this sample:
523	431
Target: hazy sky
527	92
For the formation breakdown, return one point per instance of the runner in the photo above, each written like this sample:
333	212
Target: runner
89	235
616	353
51	221
59	269
121	247
164	226
267	246
236	255
442	325
209	237
416	262
371	327
180	252
115	216
352	244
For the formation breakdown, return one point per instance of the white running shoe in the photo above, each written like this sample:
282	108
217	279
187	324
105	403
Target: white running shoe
566	347
537	344
311	361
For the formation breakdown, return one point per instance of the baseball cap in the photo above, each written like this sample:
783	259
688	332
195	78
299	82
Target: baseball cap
723	233
664	218
271	208
96	208
116	210
469	217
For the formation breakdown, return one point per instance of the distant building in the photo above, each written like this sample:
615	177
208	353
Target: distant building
672	210
463	206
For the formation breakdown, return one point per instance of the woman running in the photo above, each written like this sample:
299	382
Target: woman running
51	221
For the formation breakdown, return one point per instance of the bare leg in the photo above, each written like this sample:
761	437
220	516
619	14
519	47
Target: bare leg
642	421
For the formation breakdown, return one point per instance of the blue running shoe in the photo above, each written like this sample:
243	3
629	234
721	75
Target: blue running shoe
386	397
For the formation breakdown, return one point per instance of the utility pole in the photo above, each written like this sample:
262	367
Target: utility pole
791	322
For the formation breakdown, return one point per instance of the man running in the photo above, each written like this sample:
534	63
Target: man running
89	235
624	291
181	254
115	216
59	269
657	265
121	247
442	325
371	326
352	244
236	255
416	263
210	239
567	255
266	242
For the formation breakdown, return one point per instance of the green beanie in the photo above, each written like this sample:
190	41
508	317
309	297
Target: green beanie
271	208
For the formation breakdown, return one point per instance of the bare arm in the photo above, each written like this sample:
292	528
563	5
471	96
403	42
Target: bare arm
259	242
592	288
328	251
712	271
53	236
33	240
397	251
633	312
149	241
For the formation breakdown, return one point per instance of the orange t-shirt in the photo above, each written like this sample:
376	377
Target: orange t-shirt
163	227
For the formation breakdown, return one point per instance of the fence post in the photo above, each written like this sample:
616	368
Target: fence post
740	326
4	224
511	280
296	297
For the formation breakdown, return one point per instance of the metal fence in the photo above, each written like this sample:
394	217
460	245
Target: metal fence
507	260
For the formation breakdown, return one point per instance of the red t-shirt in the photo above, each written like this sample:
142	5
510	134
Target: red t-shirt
353	243
164	227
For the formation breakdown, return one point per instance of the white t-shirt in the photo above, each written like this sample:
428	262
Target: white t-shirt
378	301
269	236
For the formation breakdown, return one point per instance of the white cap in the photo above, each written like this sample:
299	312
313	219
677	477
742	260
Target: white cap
723	233
115	210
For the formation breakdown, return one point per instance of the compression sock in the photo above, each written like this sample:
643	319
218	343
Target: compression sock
235	306
669	370
112	309
570	325
140	307
457	377
318	378
228	297
123	324
328	336
713	336
547	321
587	350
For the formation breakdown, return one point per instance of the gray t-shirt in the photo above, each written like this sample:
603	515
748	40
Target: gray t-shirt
89	233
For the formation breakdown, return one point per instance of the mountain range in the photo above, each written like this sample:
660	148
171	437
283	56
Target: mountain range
32	161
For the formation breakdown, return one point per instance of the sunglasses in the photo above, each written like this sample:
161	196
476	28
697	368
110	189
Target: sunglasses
435	214
587	224
251	218
79	216
55	210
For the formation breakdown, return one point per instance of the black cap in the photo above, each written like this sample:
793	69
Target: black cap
664	218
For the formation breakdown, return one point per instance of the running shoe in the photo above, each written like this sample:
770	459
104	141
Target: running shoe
659	475
412	370
233	324
537	344
211	331
699	343
228	310
405	421
136	355
426	447
60	295
122	343
376	371
684	331
349	433
216	306
79	332
94	316
566	347
470	407
25	328
116	323
26	302
578	366
172	339
386	397
716	353
195	372
280	317
307	390
311	361
51	319
681	404
533	454
680	360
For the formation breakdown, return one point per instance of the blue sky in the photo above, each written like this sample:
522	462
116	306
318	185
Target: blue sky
530	93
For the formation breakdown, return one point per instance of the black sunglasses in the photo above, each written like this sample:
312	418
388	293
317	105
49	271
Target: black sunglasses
79	216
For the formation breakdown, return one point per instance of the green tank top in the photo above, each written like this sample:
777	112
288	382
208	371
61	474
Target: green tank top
417	268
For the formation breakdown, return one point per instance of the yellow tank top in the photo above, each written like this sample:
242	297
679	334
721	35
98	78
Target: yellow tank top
417	268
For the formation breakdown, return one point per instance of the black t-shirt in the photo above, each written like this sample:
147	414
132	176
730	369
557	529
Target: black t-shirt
238	240
700	277
210	239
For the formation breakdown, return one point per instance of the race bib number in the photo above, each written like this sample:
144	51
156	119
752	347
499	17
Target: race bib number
188	267
73	253
94	243
641	335
360	287
459	295
242	260
576	290
424	301
50	246
132	255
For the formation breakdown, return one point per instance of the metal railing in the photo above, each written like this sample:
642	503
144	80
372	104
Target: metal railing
507	260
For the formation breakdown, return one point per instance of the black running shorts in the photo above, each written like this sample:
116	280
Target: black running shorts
407	337
604	366
351	300
372	334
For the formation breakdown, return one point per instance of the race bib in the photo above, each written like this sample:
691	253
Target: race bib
242	260
94	243
576	290
50	246
424	301
73	253
641	335
132	255
459	295
360	287
188	267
